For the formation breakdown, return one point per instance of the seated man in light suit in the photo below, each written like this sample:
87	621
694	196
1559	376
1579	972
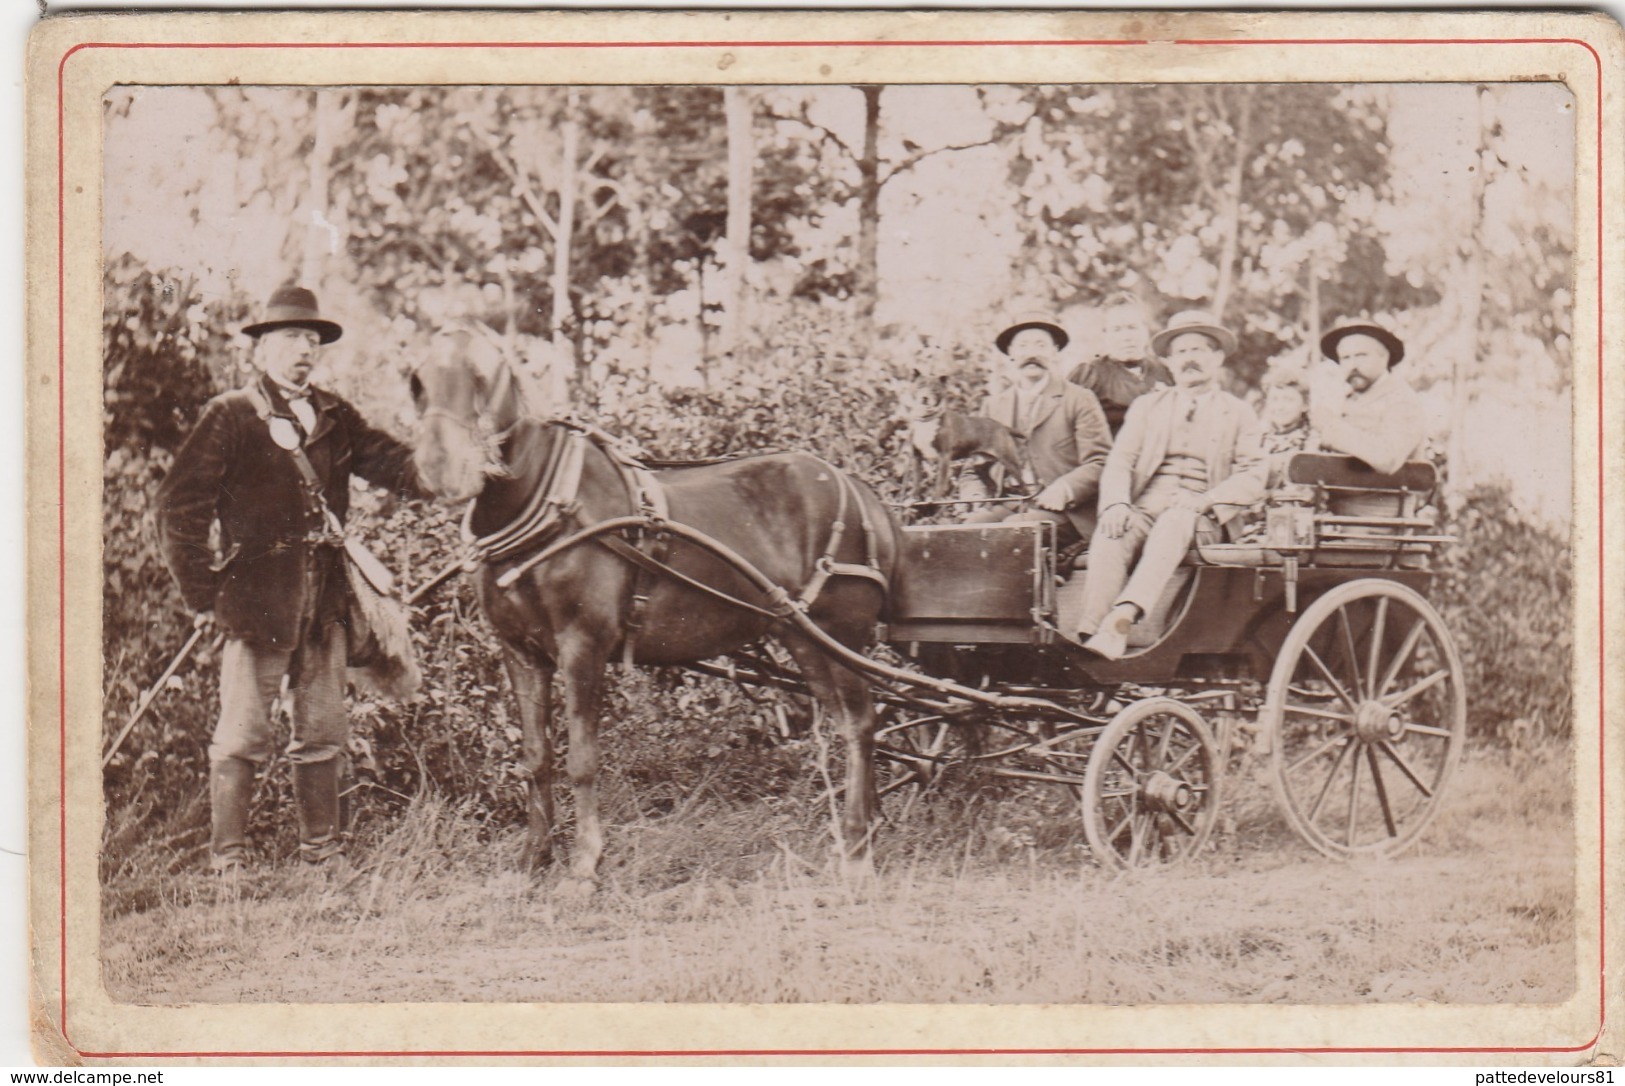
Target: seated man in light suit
1187	460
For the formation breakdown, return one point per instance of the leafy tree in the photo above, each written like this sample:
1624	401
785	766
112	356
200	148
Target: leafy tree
1245	199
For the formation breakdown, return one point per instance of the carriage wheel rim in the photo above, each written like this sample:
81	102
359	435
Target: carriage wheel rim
1357	765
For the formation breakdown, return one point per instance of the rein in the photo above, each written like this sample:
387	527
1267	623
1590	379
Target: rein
555	502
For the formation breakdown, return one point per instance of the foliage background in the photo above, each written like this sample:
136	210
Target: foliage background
710	272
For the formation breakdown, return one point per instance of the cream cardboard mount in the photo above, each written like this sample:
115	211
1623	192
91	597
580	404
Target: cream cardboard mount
182	165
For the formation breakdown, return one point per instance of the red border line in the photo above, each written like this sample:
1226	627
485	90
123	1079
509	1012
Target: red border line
62	723
62	533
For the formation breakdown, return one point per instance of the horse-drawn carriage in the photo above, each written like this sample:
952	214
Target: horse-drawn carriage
1318	630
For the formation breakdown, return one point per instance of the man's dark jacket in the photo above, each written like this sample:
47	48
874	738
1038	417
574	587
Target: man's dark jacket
272	579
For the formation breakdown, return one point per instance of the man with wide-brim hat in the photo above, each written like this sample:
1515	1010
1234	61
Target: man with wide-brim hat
1065	430
1379	419
270	464
1188	459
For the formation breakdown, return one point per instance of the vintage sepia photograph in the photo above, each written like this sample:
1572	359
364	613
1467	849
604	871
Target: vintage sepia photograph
946	541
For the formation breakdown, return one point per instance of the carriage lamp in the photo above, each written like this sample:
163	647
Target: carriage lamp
1289	519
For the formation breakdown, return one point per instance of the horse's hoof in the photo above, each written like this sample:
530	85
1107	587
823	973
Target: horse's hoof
536	861
576	889
858	868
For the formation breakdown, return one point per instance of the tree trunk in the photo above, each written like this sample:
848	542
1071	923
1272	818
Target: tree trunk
1472	278
737	106
1230	207
321	235
643	135
559	283
866	274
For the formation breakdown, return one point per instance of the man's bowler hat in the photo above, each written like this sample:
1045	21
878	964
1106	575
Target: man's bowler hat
1032	320
294	307
1395	345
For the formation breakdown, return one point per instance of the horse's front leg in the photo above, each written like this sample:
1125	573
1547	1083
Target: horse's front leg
582	666
846	700
857	716
532	680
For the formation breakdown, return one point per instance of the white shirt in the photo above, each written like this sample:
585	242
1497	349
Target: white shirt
299	400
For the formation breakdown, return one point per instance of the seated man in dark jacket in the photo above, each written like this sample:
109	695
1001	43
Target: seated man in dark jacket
1066	434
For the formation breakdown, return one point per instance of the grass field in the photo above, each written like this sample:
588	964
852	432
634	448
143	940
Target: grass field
973	899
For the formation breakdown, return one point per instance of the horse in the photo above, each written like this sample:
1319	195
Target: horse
585	557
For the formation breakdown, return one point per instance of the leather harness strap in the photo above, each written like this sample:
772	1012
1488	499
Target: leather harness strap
649	547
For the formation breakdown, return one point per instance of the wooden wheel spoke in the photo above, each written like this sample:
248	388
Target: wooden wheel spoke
1165	841
911	777
1137	841
1374	650
1404	767
1177	763
1117	831
1326	673
1325	714
1347	630
1429	729
1167	738
1382	792
1354	799
1325	789
1403	656
1317	752
1394	701
1179	820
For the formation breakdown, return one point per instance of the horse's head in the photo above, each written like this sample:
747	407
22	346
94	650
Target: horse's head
467	399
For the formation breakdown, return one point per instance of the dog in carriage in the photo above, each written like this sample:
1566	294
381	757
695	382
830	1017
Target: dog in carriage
939	436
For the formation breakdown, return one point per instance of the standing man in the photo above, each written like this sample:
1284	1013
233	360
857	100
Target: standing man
1381	420
1066	432
1187	461
1124	370
278	588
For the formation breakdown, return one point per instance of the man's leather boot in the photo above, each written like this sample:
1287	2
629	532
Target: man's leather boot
231	786
316	791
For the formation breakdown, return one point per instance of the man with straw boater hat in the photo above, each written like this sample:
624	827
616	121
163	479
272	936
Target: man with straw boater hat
1187	460
270	463
1065	429
1381	421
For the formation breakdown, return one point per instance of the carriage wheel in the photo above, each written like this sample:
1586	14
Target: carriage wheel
915	751
1366	713
911	755
1150	795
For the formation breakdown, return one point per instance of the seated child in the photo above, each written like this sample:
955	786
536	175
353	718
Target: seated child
1286	433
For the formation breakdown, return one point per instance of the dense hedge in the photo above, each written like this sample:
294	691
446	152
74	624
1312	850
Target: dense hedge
1506	590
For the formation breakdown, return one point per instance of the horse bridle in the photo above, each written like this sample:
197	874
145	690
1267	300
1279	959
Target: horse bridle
485	430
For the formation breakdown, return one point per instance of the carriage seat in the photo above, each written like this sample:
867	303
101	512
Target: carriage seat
1357	516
